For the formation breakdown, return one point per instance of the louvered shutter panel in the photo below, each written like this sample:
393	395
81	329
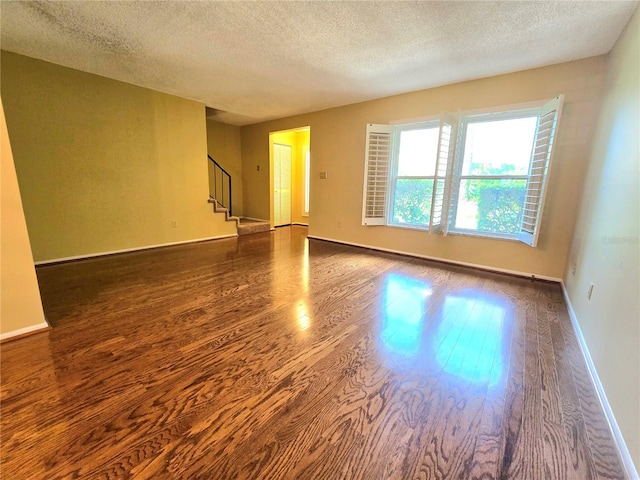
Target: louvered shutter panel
376	174
442	181
453	189
541	156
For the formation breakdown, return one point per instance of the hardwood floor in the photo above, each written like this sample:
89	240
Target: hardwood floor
276	357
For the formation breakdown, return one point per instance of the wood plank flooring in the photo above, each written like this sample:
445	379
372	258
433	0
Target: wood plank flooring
276	357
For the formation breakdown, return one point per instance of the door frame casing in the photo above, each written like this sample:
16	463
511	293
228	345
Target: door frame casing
274	140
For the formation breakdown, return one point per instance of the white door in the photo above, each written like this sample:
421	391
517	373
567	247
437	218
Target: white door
281	184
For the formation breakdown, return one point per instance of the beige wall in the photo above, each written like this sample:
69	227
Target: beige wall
338	149
606	244
103	165
257	197
223	144
20	304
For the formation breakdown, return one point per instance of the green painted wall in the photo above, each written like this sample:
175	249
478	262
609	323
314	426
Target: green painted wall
103	165
223	144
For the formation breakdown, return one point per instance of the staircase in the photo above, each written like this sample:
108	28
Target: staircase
219	208
221	200
245	226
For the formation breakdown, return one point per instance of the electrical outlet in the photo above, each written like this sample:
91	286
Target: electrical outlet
323	175
257	168
590	292
174	224
574	269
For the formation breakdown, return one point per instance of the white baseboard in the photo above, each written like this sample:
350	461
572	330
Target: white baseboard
301	224
24	331
445	260
135	249
623	451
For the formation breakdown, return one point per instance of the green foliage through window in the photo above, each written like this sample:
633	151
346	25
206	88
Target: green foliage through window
500	207
412	201
491	206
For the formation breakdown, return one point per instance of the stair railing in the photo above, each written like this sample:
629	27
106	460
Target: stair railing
221	178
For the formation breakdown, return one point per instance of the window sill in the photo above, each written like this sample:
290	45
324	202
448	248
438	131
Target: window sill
492	236
467	233
408	226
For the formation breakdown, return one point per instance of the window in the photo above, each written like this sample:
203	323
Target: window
413	174
490	181
485	174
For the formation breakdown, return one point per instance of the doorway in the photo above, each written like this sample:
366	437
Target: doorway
281	185
289	152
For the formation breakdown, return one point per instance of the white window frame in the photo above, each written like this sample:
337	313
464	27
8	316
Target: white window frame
395	158
458	177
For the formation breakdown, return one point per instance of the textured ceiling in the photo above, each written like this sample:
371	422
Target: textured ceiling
255	61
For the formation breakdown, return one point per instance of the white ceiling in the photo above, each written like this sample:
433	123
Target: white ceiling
255	61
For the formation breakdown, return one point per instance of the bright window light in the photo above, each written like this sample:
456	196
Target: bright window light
415	170
492	183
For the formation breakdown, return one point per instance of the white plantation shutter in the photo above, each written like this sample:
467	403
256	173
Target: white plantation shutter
442	181
541	156
376	174
453	189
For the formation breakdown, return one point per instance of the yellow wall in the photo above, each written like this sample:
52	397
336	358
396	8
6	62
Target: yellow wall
297	140
223	144
606	245
297	176
338	149
103	165
20	304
